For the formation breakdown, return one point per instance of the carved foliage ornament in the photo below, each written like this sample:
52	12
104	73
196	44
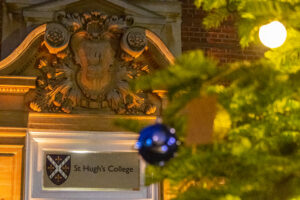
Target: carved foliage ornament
87	61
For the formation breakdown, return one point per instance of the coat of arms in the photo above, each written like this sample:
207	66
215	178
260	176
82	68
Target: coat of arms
58	168
87	60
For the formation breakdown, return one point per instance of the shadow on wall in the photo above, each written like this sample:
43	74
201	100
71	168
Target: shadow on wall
14	40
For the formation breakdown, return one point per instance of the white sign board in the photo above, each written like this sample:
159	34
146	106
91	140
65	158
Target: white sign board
115	170
112	152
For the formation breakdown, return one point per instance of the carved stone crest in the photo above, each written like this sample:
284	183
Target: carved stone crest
87	60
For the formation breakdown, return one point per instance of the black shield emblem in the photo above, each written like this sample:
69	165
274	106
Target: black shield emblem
58	167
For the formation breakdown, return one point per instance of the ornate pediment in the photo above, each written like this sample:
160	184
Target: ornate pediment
86	60
159	16
48	9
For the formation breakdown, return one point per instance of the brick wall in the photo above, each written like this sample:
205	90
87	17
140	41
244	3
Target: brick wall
221	43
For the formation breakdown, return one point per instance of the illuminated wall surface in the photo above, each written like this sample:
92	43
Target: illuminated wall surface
64	83
10	168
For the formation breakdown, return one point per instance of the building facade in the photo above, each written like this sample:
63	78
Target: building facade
64	81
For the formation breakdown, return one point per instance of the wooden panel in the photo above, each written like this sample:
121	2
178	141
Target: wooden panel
10	172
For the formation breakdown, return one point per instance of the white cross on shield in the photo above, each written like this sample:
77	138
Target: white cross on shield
58	168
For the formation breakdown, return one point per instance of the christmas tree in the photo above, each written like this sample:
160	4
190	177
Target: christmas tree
255	154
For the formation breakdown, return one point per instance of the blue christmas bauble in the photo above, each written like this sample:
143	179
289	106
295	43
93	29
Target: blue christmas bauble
157	144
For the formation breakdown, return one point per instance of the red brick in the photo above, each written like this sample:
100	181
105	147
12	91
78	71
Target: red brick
221	43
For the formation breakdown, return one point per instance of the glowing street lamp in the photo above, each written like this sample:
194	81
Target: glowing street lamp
272	35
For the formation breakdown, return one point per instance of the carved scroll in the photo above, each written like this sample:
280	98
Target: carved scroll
87	60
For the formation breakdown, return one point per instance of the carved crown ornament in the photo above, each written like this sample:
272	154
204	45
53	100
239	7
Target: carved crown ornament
87	60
